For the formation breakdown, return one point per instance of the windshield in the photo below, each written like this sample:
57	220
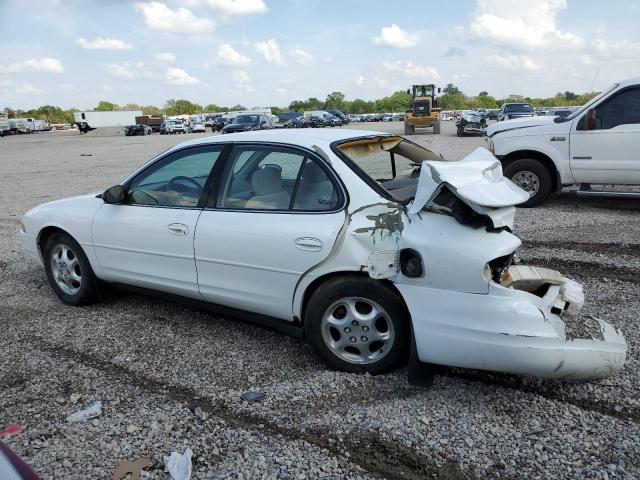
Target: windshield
423	91
586	106
176	122
518	107
246	119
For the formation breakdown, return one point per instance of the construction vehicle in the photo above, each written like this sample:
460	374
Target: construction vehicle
424	112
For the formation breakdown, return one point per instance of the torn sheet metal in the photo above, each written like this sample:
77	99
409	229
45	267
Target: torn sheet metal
476	179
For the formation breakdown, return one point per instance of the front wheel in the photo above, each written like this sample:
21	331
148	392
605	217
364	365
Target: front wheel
531	176
357	325
68	270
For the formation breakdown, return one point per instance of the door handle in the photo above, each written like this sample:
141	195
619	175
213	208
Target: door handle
308	244
178	228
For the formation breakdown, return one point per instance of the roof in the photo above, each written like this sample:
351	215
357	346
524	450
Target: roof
299	136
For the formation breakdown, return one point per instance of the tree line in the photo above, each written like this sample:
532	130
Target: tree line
451	98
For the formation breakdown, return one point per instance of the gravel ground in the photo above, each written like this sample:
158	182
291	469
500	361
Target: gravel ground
171	377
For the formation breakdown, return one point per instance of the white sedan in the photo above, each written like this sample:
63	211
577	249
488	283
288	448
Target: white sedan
366	244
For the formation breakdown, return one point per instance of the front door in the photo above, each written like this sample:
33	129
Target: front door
277	214
609	153
147	241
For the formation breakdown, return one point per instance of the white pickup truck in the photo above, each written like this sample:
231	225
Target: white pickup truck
598	144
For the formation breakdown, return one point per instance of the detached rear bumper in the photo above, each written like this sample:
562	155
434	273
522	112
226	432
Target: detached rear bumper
508	331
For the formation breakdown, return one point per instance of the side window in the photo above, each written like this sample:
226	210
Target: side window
265	181
175	181
622	109
315	192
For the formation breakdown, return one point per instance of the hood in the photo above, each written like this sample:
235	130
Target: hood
477	180
516	123
245	126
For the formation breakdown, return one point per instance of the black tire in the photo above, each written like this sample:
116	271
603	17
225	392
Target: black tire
409	129
460	132
436	128
366	288
86	292
535	171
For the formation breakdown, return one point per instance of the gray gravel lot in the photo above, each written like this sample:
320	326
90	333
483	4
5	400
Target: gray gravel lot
170	377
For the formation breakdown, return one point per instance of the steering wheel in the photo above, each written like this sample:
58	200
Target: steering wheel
174	180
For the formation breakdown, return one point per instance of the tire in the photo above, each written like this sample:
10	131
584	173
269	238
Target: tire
356	298
409	129
63	251
460	132
436	128
532	176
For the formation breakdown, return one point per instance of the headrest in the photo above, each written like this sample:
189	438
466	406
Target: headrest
312	173
266	180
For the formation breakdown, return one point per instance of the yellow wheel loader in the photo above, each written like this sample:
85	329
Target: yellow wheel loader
424	111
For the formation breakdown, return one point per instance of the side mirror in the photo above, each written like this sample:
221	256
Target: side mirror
114	194
439	89
408	91
590	123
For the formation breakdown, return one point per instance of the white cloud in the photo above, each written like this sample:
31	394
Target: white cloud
242	82
27	89
49	65
411	70
521	24
303	58
238	7
358	80
270	51
157	16
231	57
179	78
165	57
394	36
513	62
127	70
100	43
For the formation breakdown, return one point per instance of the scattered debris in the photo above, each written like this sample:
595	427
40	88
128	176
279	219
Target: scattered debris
134	468
93	411
253	397
11	431
132	428
178	466
86	154
75	397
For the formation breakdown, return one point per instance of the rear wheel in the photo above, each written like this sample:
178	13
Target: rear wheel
460	131
68	269
533	177
357	325
409	129
436	128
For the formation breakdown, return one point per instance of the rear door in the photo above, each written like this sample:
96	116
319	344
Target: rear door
609	153
277	214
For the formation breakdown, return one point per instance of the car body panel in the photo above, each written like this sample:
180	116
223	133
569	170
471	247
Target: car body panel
460	315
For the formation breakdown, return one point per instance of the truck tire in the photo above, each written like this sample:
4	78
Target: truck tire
409	129
436	128
533	177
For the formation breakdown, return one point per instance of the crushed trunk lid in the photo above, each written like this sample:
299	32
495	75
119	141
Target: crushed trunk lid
477	180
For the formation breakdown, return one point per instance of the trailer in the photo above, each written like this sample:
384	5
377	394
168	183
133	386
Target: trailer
154	121
90	120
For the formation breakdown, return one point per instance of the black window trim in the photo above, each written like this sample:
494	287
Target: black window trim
208	185
343	194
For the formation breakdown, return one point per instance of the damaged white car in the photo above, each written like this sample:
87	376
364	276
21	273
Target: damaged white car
367	244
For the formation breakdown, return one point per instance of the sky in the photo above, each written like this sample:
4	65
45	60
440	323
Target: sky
74	53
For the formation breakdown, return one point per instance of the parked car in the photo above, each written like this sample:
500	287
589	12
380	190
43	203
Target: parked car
132	130
248	122
471	123
296	122
337	113
597	144
175	126
285	117
365	244
510	111
492	114
196	127
317	121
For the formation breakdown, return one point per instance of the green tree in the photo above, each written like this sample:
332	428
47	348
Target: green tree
181	107
451	89
335	100
151	110
105	106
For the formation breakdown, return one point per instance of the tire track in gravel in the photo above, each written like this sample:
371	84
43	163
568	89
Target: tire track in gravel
584	268
629	249
391	460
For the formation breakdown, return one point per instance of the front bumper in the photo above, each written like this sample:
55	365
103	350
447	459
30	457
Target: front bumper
508	331
30	243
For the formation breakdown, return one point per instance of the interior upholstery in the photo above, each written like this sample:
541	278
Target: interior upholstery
314	186
269	192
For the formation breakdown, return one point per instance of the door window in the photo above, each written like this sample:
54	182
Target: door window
175	181
622	109
272	178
